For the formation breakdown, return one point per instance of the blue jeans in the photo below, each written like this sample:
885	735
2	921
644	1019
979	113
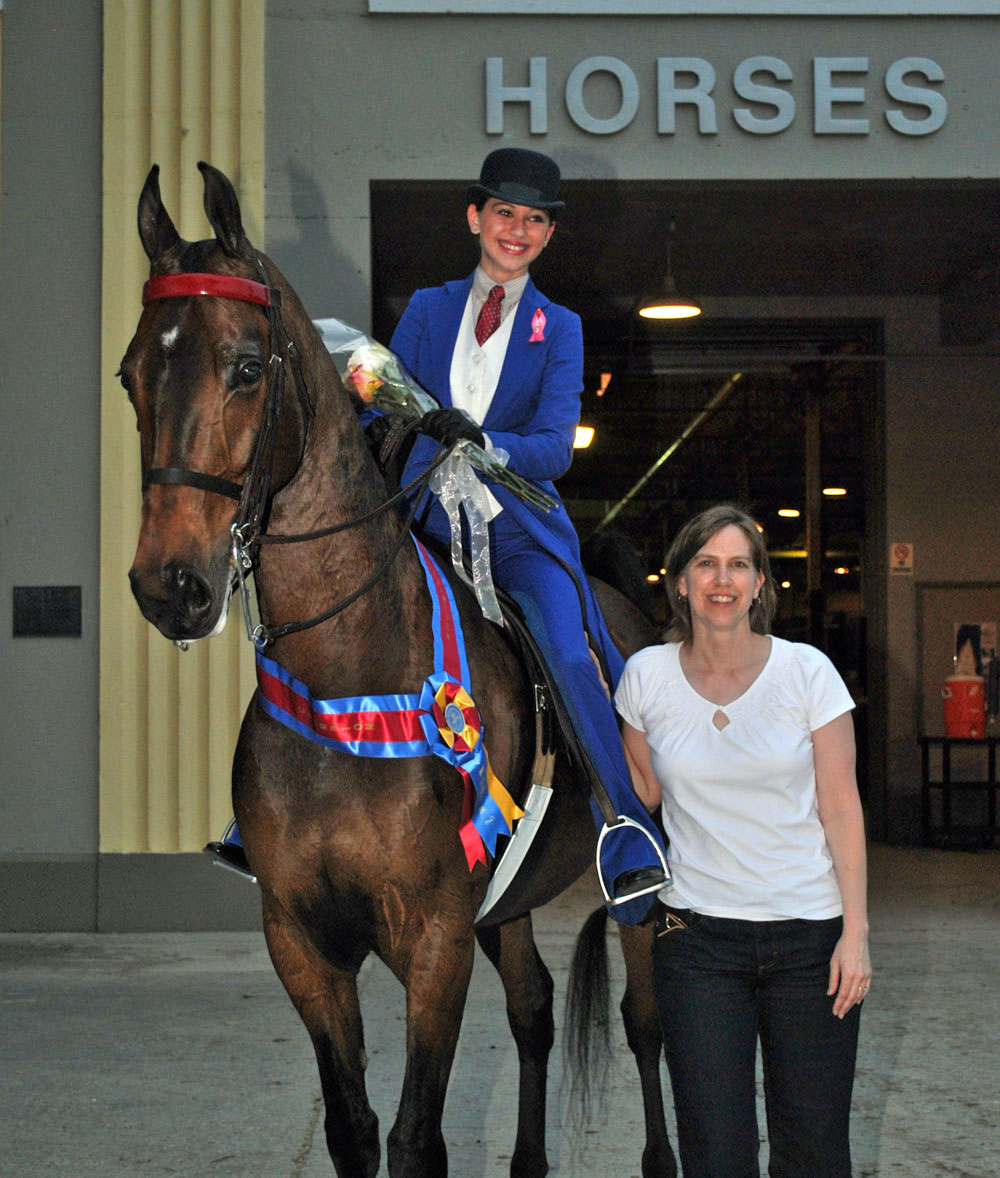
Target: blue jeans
720	985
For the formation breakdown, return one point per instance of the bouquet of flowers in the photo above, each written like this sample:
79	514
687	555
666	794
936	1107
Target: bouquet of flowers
381	380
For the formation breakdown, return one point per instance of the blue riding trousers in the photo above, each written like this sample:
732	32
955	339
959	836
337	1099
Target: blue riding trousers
721	985
548	595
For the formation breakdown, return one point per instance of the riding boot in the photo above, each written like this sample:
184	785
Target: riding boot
229	853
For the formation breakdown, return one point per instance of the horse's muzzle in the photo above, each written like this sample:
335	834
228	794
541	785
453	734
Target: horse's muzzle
183	606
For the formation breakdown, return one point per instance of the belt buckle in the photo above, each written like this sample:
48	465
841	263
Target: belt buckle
669	923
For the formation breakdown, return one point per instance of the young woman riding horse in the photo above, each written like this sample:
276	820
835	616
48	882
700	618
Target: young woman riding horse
506	364
236	398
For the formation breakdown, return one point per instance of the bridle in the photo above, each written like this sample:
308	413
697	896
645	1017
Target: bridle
254	493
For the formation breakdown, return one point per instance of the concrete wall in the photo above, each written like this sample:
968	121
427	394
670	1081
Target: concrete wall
337	121
393	97
50	298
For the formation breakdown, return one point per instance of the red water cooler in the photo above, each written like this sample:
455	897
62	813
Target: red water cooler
964	699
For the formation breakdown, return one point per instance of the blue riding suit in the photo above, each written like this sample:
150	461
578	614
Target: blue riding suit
533	416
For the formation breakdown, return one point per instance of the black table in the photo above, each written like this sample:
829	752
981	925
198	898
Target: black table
937	777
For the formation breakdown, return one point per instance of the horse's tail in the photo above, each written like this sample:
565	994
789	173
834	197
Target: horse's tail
612	557
587	1027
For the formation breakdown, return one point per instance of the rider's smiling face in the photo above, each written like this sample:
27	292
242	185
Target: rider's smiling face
510	236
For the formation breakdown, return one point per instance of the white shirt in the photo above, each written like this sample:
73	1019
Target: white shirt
475	367
739	804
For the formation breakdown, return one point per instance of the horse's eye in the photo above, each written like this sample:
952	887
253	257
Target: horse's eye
250	372
126	383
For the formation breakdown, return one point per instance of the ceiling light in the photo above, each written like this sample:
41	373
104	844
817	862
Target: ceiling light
786	584
789	512
834	492
583	437
667	303
652	578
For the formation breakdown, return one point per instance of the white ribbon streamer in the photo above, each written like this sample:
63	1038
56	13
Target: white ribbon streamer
456	486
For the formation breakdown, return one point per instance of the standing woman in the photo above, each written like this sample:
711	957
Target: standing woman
506	364
746	741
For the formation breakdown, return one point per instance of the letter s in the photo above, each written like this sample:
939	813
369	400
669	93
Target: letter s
897	88
752	91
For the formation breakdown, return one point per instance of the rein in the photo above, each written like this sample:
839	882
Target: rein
253	494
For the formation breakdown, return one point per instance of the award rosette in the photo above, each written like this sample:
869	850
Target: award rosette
454	731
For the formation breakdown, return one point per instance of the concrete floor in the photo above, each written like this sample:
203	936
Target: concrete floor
179	1054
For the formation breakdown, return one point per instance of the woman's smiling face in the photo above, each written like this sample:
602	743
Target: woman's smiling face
510	236
720	580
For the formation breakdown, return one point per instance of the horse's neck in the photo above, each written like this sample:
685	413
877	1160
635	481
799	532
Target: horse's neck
377	644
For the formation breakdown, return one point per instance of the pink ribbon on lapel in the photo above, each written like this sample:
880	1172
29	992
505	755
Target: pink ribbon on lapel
537	327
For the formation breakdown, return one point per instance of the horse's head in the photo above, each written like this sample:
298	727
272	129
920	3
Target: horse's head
218	421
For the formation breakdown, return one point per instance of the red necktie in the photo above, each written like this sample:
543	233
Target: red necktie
489	316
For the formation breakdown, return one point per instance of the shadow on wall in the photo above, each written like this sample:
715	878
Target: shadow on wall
302	243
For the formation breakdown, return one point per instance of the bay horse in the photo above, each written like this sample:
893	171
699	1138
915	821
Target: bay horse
236	398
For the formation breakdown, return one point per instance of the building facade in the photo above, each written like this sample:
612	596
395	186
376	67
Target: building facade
832	168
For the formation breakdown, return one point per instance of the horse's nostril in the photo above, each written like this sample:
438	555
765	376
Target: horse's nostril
188	590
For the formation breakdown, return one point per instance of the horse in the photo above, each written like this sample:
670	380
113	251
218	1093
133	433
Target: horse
236	398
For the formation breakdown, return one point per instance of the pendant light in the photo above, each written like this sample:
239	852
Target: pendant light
667	303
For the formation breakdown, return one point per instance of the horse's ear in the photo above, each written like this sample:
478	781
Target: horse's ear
156	230
223	211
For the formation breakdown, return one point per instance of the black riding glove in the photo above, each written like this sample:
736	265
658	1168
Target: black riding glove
449	426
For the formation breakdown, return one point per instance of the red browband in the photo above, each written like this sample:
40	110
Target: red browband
223	286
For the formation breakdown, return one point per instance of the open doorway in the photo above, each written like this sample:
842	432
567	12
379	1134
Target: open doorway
728	396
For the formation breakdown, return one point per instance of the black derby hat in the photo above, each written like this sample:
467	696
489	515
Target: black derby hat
520	176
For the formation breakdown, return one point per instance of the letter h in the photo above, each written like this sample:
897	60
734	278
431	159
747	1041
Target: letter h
534	94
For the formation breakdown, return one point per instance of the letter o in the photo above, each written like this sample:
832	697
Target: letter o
629	101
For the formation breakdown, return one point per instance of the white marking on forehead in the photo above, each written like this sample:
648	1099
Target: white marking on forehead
169	338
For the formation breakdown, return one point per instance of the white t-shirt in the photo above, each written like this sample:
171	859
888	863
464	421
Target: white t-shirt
739	803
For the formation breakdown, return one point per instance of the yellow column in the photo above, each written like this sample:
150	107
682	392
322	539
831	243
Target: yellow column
183	81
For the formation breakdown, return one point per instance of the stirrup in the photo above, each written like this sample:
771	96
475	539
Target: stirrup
230	854
654	886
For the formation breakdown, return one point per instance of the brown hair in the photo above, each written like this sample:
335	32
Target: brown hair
692	536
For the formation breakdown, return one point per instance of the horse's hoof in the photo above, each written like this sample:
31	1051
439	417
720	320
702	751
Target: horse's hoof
659	1163
529	1164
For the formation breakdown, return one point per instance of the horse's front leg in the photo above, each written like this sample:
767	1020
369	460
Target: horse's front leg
528	988
327	1001
642	1030
439	966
